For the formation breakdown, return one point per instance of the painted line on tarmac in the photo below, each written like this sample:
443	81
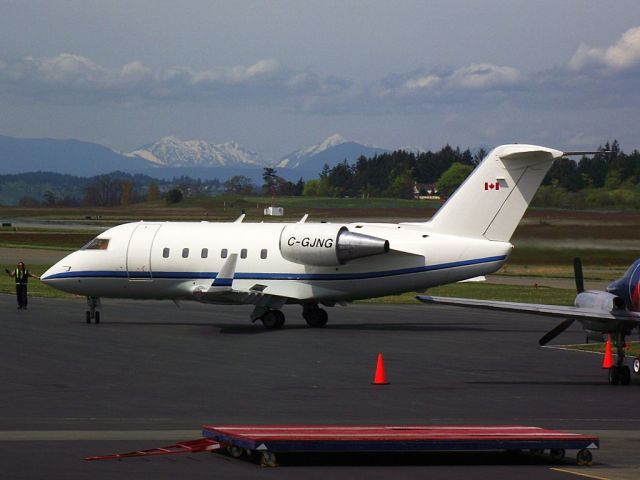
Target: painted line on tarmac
579	474
75	435
568	348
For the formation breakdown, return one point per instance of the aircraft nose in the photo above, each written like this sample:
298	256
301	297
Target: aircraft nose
50	274
56	271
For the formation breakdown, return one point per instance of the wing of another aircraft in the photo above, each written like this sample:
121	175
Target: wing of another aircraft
534	308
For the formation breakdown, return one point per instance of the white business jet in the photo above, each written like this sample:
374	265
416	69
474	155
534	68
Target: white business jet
311	264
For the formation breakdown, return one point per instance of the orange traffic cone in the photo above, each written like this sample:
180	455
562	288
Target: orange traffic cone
380	377
608	356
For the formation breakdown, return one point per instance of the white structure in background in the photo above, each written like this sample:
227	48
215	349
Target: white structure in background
274	211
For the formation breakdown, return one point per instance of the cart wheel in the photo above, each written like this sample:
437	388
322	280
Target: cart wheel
268	459
536	452
235	451
557	454
584	457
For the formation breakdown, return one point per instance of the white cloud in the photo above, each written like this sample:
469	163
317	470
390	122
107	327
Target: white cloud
426	81
623	55
483	76
68	76
448	83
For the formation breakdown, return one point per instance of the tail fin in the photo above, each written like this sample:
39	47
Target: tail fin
493	199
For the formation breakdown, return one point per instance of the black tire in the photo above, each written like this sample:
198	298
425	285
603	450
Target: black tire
87	316
614	376
235	451
625	375
316	318
557	454
584	457
273	320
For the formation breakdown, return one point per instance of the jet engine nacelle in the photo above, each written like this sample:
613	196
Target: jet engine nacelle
600	300
325	244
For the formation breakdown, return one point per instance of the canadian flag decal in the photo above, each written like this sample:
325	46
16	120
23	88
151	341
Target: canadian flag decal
492	186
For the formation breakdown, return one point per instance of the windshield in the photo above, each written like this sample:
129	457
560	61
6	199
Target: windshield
97	244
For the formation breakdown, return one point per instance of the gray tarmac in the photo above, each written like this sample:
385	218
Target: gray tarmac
151	374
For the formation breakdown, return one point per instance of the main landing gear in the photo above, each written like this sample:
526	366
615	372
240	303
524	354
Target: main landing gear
620	374
273	319
315	316
93	313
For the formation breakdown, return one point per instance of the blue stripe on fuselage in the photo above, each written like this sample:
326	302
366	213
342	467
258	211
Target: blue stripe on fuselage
273	276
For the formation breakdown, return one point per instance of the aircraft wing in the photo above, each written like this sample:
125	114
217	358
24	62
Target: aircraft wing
584	314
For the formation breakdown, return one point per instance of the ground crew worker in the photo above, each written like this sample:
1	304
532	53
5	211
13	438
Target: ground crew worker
21	274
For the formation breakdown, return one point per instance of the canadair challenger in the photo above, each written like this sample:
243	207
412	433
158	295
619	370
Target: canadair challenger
268	265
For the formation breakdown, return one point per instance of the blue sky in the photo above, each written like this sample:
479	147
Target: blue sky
277	75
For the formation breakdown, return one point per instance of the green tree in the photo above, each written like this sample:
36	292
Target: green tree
269	178
240	185
452	178
153	192
173	196
401	187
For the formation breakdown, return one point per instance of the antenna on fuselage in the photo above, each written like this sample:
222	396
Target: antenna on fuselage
240	218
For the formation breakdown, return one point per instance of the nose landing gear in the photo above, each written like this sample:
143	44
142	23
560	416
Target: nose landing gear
93	313
620	374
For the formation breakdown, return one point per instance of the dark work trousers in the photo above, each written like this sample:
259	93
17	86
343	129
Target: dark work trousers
21	294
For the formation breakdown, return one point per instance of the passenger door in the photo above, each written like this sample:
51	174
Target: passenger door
139	251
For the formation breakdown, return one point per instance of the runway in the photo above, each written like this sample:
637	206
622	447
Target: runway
151	374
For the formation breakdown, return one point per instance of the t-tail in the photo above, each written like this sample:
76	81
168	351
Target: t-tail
492	200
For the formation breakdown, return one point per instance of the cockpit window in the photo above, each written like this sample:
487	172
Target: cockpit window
97	244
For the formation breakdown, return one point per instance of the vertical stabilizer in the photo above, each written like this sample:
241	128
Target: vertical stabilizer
493	199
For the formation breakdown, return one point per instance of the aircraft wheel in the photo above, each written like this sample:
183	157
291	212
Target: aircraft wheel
87	316
273	320
636	365
96	317
625	375
614	376
316	318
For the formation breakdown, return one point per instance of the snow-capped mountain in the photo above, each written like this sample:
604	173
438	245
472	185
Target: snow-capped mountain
332	150
173	152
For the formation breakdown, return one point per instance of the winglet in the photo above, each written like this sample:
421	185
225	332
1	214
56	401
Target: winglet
225	275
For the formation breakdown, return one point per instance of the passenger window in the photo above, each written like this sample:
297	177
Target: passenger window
223	253
263	253
243	253
204	253
185	252
165	253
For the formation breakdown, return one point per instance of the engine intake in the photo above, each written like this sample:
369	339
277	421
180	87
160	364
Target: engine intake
325	244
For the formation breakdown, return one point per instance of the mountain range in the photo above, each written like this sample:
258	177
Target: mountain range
170	157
